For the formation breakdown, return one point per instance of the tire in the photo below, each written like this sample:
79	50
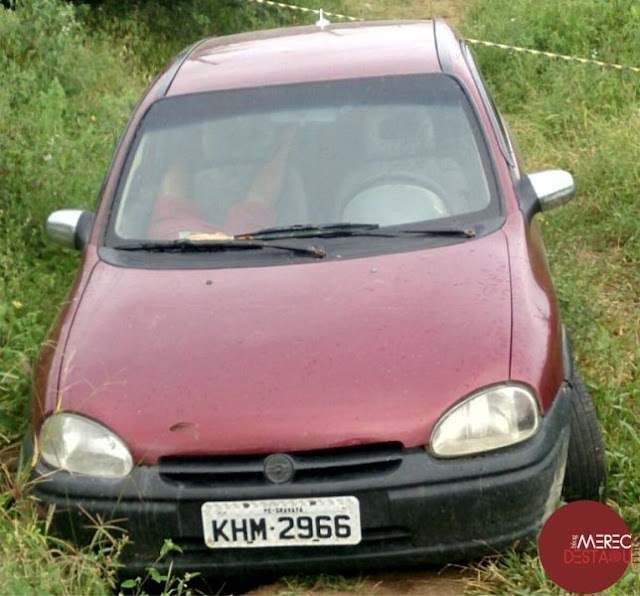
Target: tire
586	471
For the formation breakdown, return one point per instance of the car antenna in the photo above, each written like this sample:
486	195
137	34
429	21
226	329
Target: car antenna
322	22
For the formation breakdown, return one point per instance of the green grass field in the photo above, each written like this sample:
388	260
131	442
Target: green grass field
70	78
585	119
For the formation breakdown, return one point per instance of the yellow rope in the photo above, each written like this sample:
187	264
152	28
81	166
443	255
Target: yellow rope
490	44
304	9
502	46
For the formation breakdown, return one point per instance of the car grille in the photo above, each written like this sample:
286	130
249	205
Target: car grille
349	463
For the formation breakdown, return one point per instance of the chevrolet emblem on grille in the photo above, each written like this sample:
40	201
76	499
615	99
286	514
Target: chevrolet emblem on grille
278	468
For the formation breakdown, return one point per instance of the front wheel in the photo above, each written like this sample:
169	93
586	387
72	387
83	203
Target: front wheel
586	472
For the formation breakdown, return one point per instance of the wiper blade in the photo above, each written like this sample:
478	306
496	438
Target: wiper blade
185	245
336	230
332	230
465	232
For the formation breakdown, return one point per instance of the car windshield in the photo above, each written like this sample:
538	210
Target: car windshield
385	151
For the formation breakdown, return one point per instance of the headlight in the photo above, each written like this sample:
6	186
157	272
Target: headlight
493	418
82	446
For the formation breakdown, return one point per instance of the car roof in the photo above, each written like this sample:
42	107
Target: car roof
306	54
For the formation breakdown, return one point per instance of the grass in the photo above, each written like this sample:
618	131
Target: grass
71	77
584	119
32	561
517	574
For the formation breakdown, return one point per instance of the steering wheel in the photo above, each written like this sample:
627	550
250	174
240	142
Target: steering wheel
395	200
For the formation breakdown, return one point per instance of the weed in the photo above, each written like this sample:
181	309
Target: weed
521	574
32	561
169	583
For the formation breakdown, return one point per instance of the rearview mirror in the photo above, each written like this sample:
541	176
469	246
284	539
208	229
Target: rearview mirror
553	188
70	227
543	191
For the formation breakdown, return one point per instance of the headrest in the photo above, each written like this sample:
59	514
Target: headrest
237	139
398	131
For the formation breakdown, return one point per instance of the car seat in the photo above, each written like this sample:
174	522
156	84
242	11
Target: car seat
233	151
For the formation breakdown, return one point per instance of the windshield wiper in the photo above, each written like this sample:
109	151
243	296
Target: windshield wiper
186	245
335	230
465	232
332	230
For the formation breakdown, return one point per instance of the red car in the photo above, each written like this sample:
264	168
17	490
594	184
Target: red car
314	325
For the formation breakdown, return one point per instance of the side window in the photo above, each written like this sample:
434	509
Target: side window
515	162
498	124
513	147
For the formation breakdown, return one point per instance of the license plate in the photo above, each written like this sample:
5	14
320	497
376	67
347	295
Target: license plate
281	522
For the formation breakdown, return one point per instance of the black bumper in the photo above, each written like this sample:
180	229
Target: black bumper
425	511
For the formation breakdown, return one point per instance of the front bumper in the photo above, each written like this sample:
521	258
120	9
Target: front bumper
423	511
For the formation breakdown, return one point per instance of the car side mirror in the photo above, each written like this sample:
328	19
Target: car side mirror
543	191
70	227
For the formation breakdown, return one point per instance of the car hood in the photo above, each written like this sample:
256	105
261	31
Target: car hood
288	358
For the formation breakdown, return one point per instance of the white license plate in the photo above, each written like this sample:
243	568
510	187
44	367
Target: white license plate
281	522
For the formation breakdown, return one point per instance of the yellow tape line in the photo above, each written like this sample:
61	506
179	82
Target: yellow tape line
489	44
502	46
304	9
